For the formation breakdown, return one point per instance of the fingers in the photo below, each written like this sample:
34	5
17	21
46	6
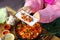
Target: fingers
37	15
27	9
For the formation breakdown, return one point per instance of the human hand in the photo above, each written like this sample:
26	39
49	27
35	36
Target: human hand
37	15
27	9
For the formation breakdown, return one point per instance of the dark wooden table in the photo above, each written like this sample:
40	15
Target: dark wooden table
15	4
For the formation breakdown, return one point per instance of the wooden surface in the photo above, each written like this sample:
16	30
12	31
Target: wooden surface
55	38
1	30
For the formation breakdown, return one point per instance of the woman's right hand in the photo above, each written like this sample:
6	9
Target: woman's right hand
27	9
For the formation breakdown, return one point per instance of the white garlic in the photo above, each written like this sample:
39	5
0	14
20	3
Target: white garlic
11	20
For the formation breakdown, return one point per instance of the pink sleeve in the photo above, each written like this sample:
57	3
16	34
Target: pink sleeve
34	4
50	1
49	14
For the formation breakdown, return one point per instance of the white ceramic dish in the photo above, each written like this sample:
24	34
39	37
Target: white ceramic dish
18	15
